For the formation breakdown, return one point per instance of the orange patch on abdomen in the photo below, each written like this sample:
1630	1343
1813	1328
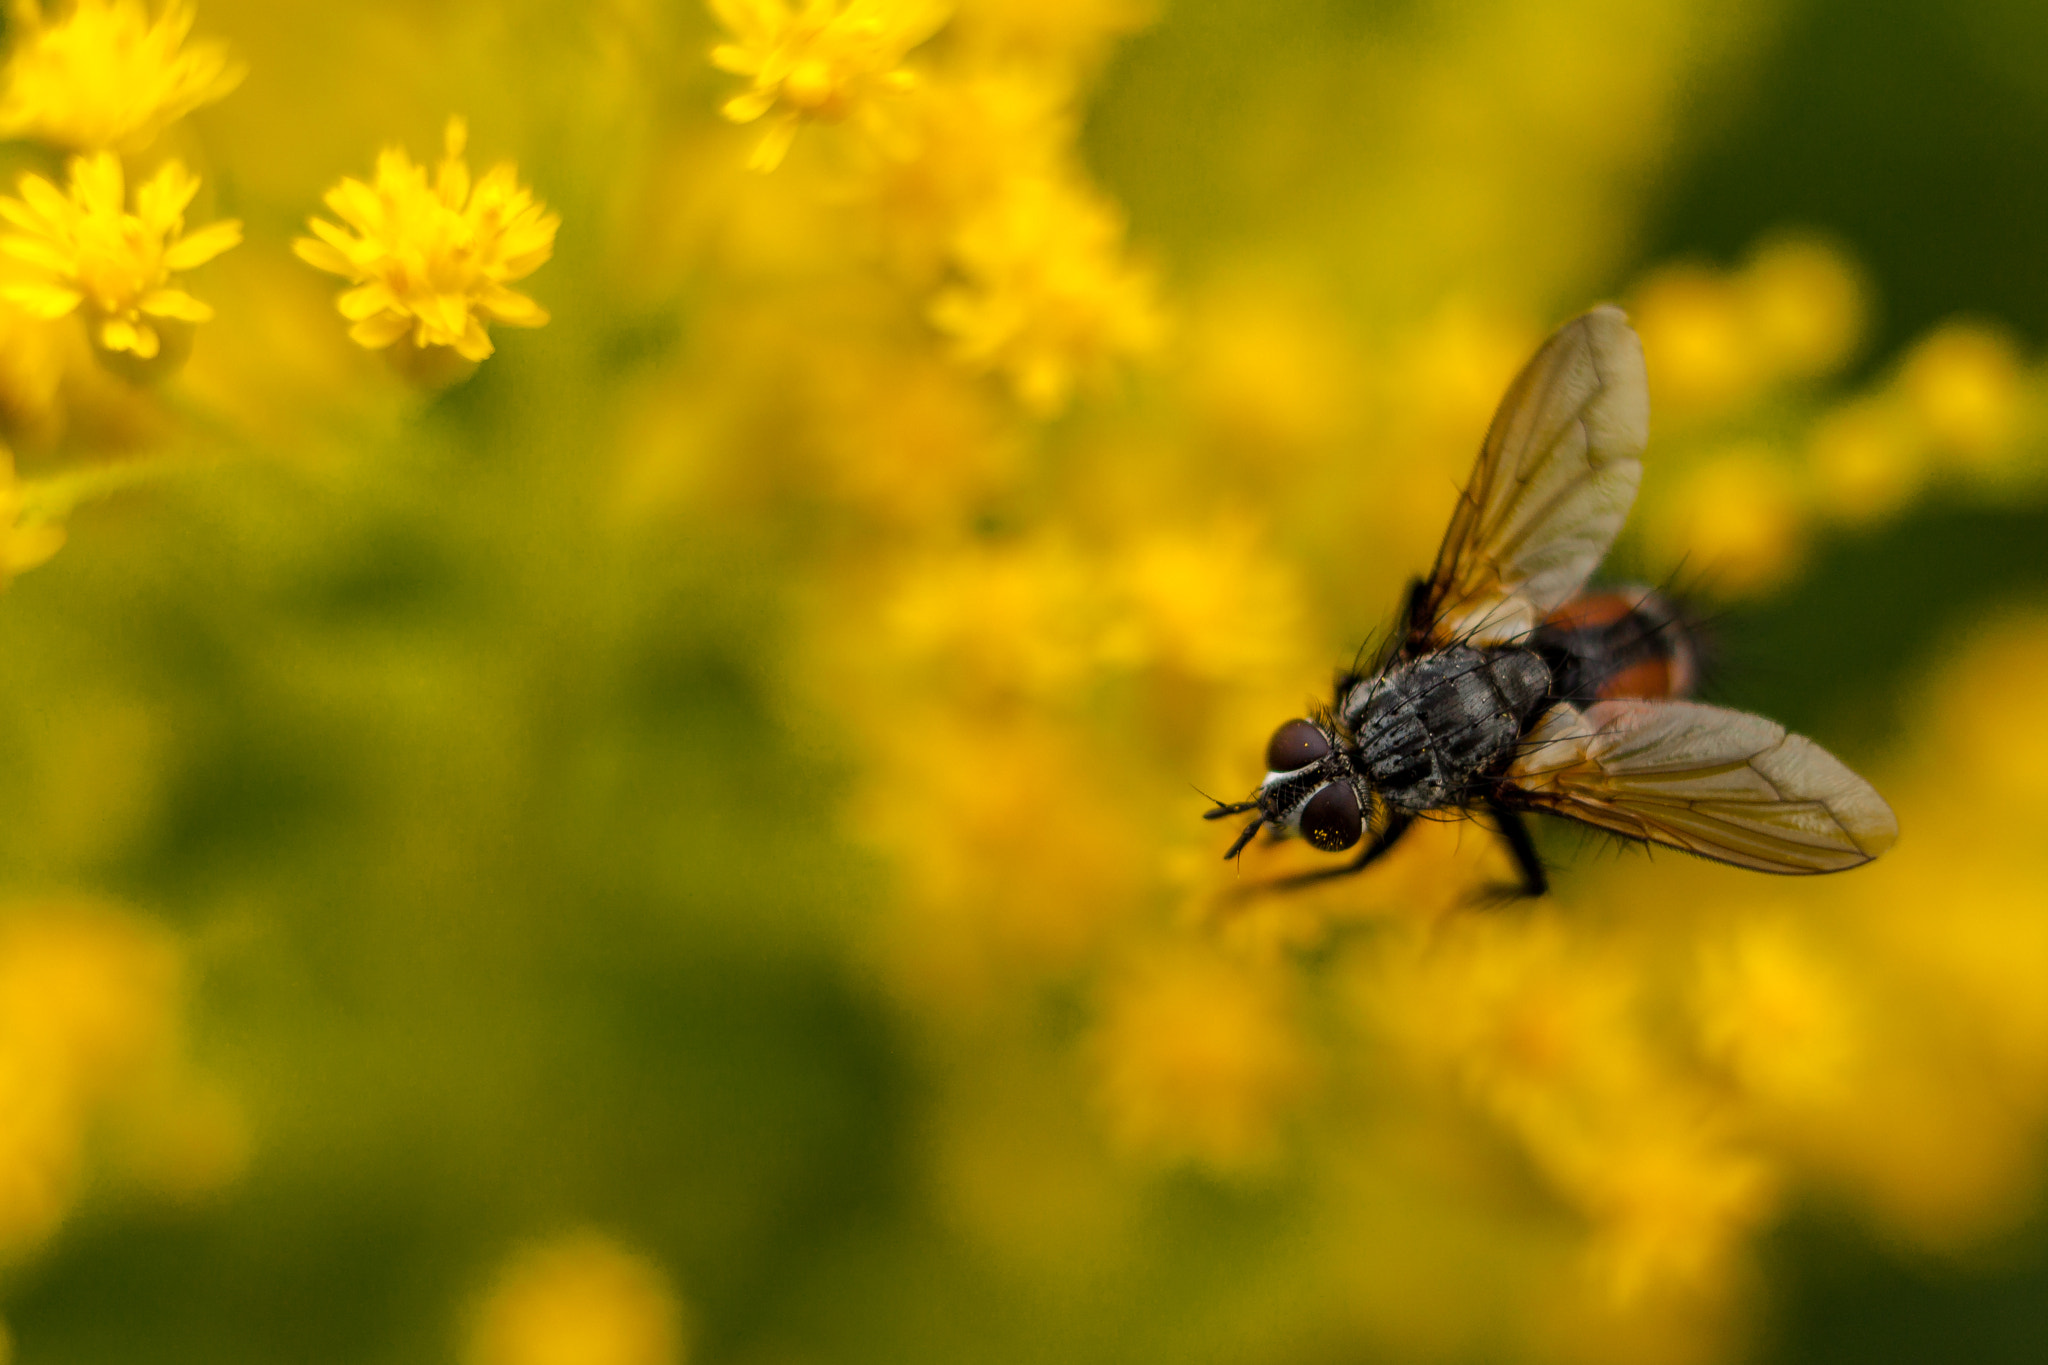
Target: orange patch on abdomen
1649	679
1593	609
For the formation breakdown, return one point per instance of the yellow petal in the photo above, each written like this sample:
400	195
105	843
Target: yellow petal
45	200
737	60
174	303
119	334
22	216
96	184
452	182
366	301
447	312
774	145
474	343
163	197
378	332
519	267
42	300
38	252
203	245
354	203
175	24
750	106
511	307
321	256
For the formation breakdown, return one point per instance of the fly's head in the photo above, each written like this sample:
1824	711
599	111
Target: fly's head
1311	790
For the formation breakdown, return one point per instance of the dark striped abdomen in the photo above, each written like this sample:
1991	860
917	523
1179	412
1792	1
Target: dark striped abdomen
1619	642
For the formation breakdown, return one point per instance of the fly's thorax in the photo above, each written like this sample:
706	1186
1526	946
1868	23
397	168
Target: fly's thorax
1429	732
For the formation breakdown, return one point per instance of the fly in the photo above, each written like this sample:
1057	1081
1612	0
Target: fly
1509	687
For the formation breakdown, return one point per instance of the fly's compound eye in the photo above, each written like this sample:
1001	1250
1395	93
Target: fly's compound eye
1296	744
1331	820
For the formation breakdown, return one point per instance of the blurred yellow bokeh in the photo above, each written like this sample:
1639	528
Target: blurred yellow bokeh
724	766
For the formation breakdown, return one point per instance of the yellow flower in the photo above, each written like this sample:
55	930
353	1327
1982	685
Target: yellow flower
1741	515
828	60
106	76
1807	305
578	1300
22	545
1868	459
90	1032
432	259
115	265
1199	1060
1700	351
1047	296
1963	384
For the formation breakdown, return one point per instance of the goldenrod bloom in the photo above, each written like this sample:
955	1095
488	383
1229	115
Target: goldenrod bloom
827	60
1046	296
581	1299
106	75
1199	1060
1964	384
115	265
433	259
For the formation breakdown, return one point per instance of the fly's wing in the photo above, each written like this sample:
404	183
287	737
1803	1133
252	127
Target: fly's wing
1722	784
1553	484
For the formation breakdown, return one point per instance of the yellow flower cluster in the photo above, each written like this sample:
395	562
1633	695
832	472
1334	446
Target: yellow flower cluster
1582	1116
432	256
829	59
432	260
1199	1061
103	79
115	266
578	1299
91	1036
1552	1134
1743	492
1043	296
106	75
1794	311
969	169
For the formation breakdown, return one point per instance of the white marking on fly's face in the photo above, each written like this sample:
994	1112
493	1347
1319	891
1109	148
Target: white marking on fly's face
1289	822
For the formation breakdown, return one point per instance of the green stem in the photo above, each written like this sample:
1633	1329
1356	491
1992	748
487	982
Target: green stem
53	499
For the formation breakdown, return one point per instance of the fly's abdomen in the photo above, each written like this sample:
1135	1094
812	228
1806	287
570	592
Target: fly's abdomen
1621	642
1427	732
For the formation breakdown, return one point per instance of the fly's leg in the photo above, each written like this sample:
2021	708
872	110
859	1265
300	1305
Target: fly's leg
1367	856
1514	831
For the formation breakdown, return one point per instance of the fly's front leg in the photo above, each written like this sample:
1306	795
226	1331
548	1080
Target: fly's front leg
1367	856
1514	832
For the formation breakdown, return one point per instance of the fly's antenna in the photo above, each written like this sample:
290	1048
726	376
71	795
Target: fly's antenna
1226	808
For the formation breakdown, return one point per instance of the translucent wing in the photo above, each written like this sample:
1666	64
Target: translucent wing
1553	484
1722	784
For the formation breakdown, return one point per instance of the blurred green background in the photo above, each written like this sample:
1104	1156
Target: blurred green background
508	848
